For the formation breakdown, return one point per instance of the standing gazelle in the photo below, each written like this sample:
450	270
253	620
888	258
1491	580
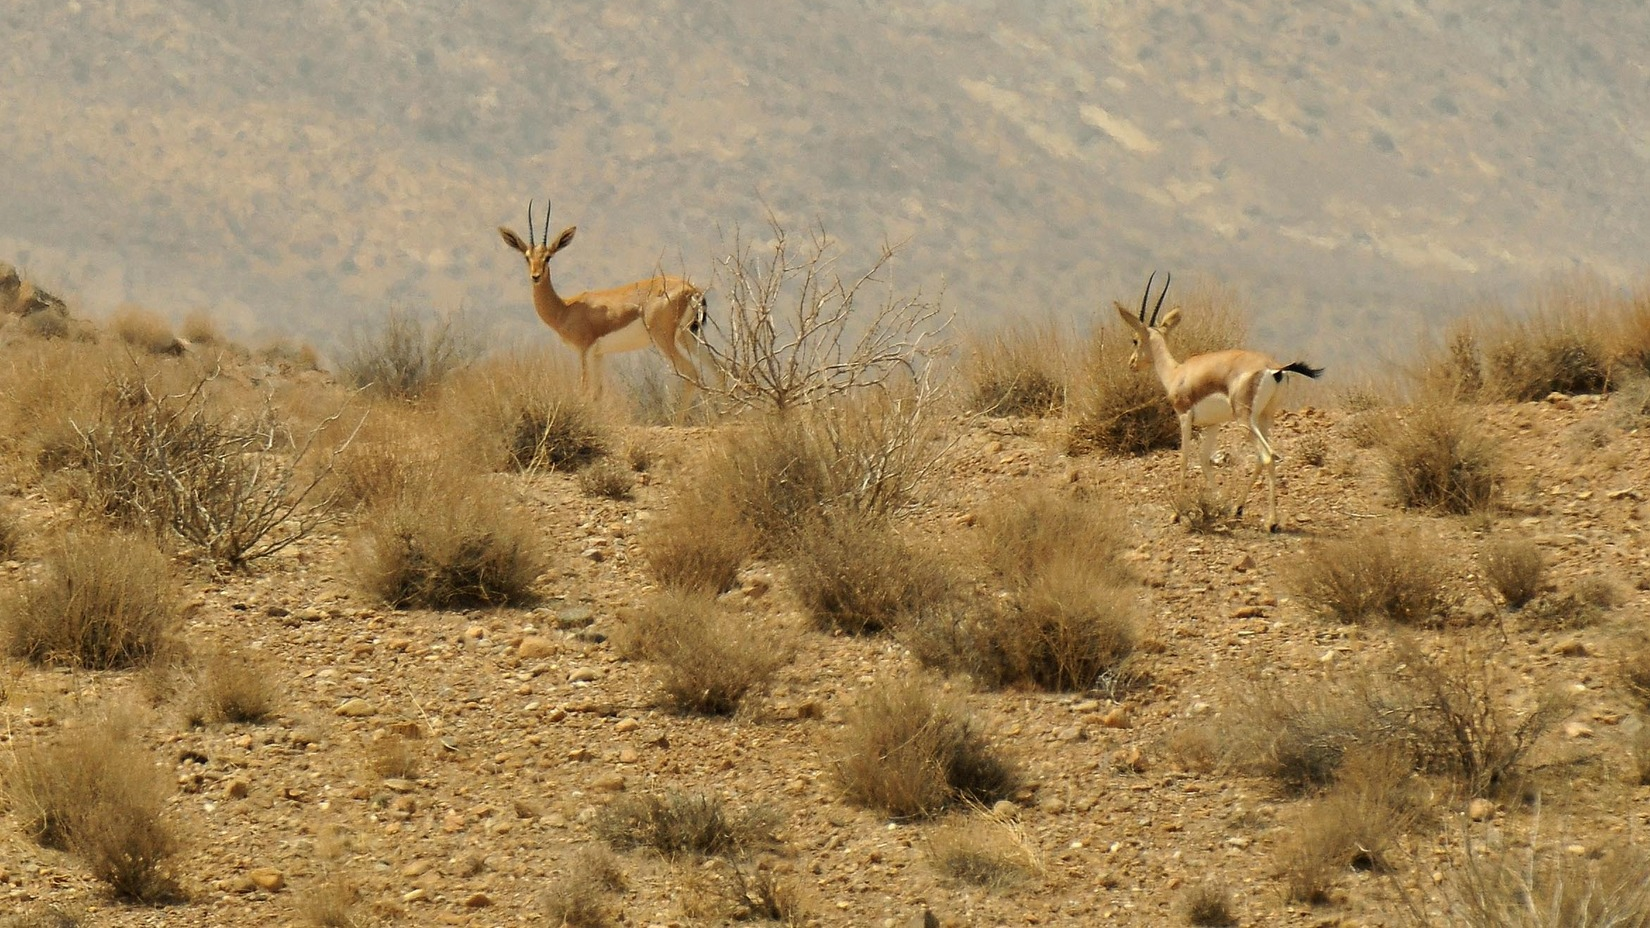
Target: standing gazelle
664	311
1207	390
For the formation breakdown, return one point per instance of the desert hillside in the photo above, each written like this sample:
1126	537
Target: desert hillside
1355	171
291	647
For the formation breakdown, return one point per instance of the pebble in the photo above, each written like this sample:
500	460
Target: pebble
1480	810
235	788
584	675
356	708
535	647
267	879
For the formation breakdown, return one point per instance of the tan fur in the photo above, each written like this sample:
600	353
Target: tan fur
594	323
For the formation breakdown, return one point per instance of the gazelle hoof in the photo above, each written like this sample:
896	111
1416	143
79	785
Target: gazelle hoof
1274	528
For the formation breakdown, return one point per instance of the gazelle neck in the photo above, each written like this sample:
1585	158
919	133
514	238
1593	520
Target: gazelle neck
547	303
1162	361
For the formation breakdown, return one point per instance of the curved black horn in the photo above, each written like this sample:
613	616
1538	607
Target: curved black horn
546	222
1166	278
530	242
1146	296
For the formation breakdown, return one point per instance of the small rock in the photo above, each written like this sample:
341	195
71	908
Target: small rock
1073	733
584	675
1571	647
1005	810
267	879
1578	730
416	895
629	756
1053	805
627	725
235	788
1128	760
1244	564
594	555
608	783
1116	717
1480	810
1249	612
477	900
535	647
356	708
400	785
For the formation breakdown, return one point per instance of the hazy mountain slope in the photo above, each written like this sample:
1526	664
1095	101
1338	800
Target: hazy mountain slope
302	165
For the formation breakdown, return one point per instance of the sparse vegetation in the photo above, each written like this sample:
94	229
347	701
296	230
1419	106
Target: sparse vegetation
524	412
1390	575
94	792
1515	569
230	687
606	480
1018	371
1207	904
408	355
708	657
1439	458
103	601
1030	534
685	825
854	573
911	751
985	849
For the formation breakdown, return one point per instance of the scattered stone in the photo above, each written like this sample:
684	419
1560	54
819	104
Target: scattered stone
268	879
1577	730
1072	733
535	647
584	675
1571	647
1480	810
608	783
627	725
356	708
235	788
1116	717
1244	564
477	900
400	785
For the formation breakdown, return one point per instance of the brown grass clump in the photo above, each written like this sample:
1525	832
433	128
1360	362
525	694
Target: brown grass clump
985	849
854	573
525	412
408	355
1438	457
1207	904
910	751
144	330
49	916
1117	410
1301	739
1516	569
394	756
1539	885
201	328
1019	370
97	794
333	903
699	543
1633	671
580	896
606	480
685	825
103	601
1564	346
232	688
446	539
1356	825
708	657
1397	577
1043	531
11	533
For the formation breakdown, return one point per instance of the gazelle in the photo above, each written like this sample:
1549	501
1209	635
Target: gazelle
664	311
1210	389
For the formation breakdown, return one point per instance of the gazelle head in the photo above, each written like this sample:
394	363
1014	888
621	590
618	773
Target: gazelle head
537	254
1145	331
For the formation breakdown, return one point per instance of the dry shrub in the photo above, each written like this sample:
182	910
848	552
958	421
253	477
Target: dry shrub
1633	671
1356	825
230	687
699	543
1201	510
606	480
1207	904
1439	457
97	794
49	387
103	601
393	756
1630	406
985	849
144	330
1516	569
1120	411
446	539
1386	575
524	411
910	750
708	657
49	916
677	825
1301	739
1069	632
1019	370
408	355
1583	605
1042	531
201	329
334	902
1312	449
1539	885
1564	345
852	572
1638	751
579	896
11	533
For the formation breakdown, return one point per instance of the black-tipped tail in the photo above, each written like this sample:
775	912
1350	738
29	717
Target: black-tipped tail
1298	367
698	322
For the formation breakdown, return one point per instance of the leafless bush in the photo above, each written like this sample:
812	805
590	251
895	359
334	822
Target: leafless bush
1356	825
97	794
1301	738
1387	575
1515	569
230	687
1032	533
685	825
1438	457
447	538
409	354
708	656
799	332
1207	904
103	601
910	751
231	484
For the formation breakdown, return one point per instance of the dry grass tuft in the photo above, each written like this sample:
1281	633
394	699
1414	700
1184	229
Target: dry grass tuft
1038	532
408	355
985	849
1390	576
1356	825
1438	457
1202	511
699	543
393	756
1207	904
606	480
144	330
685	825
854	573
1633	671
103	601
910	751
333	903
708	657
1019	370
1516	569
1539	885
447	538
95	793
525	412
229	687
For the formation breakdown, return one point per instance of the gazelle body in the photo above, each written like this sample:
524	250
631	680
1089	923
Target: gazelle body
665	312
1210	389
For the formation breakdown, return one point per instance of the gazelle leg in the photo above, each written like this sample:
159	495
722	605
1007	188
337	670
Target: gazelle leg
1208	444
1186	450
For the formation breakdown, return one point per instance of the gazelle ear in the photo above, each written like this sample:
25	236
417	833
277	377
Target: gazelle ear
512	239
1170	321
1128	316
565	240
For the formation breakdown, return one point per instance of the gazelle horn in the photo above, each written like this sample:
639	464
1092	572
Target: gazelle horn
1146	296
531	243
1165	292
